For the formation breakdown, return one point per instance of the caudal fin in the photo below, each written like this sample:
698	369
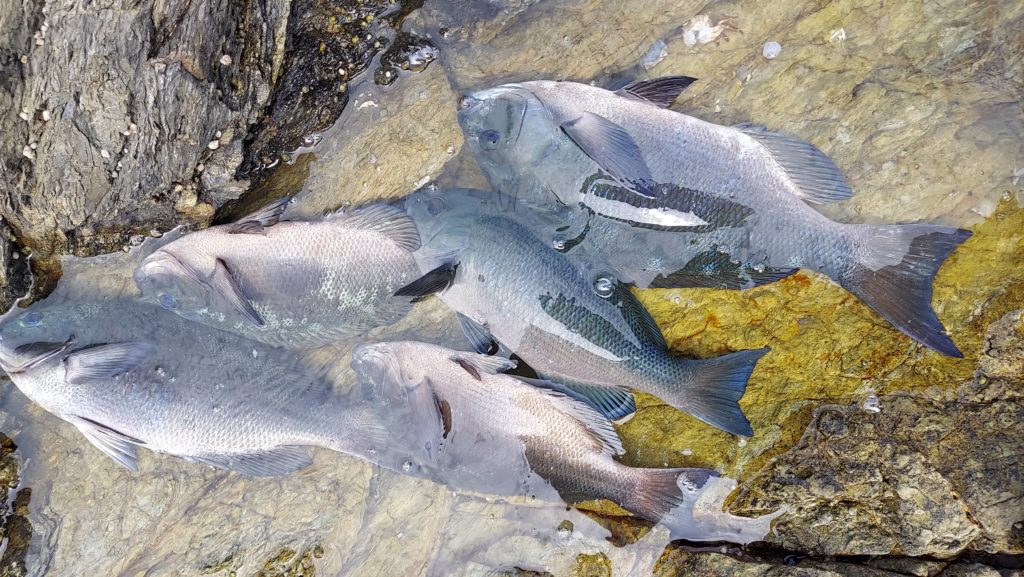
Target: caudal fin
658	491
713	392
895	279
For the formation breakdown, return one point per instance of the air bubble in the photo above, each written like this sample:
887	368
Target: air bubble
604	286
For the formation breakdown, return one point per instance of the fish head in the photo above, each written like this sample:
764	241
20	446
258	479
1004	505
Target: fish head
509	130
385	365
166	281
47	321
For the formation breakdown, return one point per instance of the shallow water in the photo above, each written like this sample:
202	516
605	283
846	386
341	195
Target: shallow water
918	104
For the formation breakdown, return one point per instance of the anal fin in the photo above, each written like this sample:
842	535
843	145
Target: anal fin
114	444
277	461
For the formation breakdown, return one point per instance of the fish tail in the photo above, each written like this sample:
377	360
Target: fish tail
894	277
713	391
655	492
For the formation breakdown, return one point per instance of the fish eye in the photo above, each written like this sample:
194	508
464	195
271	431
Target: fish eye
463	102
33	319
167	301
489	139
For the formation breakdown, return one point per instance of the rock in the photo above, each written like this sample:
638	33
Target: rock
15	528
387	144
14	276
328	44
707	564
1003	354
133	95
931	474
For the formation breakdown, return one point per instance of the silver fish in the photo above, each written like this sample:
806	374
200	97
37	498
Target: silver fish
739	191
496	433
510	287
288	283
131	375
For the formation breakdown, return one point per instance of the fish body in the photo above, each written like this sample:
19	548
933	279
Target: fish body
498	433
293	284
513	287
731	196
131	375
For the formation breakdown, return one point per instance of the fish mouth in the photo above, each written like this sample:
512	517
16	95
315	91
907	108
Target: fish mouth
30	355
475	106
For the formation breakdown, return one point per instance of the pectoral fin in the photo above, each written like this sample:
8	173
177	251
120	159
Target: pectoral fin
611	147
104	362
277	461
256	222
116	445
477	335
30	355
224	283
478	365
659	91
435	281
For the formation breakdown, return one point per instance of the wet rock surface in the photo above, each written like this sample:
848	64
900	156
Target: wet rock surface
15	528
328	44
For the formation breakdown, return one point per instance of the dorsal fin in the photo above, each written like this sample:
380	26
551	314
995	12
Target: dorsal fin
595	423
267	216
816	177
658	91
637	316
478	365
388	220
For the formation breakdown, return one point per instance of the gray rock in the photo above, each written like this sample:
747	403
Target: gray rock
105	109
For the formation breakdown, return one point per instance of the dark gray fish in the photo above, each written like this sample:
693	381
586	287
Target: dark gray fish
739	191
495	434
289	283
131	375
510	287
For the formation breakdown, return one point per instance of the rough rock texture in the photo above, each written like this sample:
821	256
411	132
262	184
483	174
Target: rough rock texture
707	564
14	276
15	528
329	43
110	111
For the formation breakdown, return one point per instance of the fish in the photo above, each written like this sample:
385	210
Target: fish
294	284
743	196
128	374
653	259
495	432
510	288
